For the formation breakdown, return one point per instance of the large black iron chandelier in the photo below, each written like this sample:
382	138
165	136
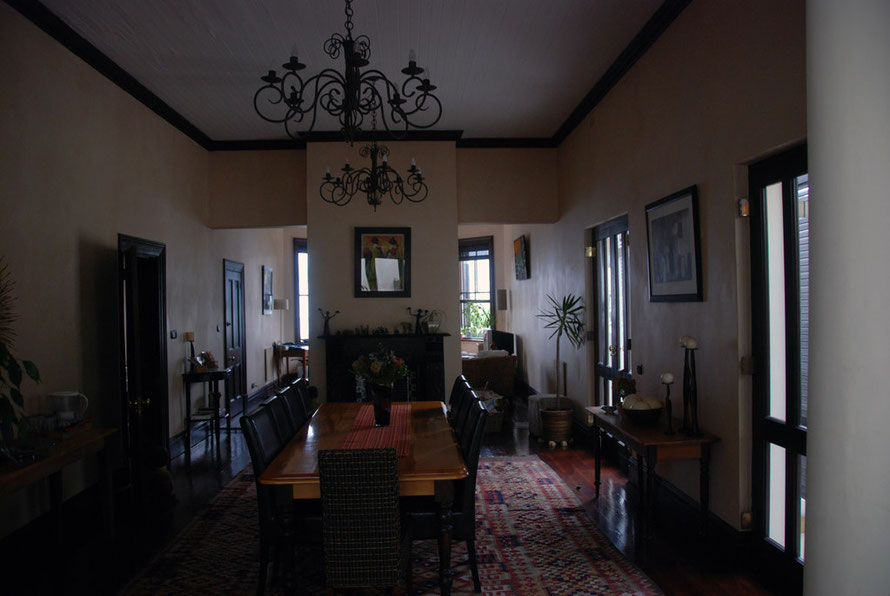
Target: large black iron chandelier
378	181
349	96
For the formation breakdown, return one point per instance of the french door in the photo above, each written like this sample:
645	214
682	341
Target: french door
611	299
780	241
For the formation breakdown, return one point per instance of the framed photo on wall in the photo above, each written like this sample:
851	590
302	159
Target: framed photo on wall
520	258
267	290
382	263
672	234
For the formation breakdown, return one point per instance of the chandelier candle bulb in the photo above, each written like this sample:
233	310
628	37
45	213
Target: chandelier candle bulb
667	378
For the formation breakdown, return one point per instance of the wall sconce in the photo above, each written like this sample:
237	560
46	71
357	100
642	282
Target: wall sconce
280	304
501	299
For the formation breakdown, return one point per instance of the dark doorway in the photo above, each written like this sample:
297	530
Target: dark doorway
233	292
143	356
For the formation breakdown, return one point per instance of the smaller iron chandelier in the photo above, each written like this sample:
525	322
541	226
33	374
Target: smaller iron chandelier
348	96
378	181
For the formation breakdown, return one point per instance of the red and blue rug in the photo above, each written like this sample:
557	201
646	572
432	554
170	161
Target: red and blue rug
532	537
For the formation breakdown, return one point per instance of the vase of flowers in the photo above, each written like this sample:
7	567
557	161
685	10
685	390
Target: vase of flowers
380	369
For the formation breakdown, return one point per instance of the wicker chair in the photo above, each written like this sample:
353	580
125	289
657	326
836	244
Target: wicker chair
425	523
364	545
281	524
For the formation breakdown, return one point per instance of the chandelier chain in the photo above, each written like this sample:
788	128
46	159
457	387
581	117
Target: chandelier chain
348	19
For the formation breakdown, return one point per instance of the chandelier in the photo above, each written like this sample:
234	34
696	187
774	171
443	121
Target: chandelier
347	96
378	181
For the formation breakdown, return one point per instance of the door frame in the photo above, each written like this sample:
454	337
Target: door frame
148	249
780	168
236	267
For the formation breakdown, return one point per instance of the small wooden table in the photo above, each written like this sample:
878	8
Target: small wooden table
62	453
211	377
433	461
651	445
288	351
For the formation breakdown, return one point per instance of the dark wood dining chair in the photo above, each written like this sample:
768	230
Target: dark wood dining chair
461	427
284	425
295	407
364	542
459	393
424	518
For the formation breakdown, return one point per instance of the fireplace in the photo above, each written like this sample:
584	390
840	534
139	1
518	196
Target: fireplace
424	355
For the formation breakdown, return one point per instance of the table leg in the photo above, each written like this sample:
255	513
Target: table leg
641	527
55	504
445	576
651	462
106	494
215	425
228	387
704	490
598	453
188	423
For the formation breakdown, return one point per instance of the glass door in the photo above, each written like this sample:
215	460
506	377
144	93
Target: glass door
780	210
611	298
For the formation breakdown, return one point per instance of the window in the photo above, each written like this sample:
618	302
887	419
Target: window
476	286
301	290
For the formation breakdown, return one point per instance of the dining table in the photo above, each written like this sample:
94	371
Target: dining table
430	459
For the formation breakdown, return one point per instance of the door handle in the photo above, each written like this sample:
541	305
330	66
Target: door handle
613	350
140	404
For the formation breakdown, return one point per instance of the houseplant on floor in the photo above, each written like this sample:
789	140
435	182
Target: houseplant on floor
563	317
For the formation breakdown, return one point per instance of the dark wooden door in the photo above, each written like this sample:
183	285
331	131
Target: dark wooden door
143	355
233	280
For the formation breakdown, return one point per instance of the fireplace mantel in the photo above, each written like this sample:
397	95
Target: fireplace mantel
424	355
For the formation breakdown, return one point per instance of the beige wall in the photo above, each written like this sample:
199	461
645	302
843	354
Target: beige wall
433	223
507	185
257	189
82	162
723	85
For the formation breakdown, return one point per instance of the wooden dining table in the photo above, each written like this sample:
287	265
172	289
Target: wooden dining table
429	462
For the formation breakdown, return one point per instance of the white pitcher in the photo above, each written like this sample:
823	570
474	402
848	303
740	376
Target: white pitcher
69	406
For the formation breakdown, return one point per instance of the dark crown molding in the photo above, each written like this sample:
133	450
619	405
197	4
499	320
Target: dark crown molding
52	25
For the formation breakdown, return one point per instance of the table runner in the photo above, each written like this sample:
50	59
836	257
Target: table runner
364	435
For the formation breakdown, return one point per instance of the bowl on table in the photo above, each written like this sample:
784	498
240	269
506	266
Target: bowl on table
642	411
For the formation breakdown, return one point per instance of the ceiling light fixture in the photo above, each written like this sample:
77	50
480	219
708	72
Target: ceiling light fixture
349	96
377	181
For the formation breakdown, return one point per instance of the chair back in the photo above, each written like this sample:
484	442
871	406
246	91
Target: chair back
460	392
470	447
284	426
263	444
460	422
294	406
361	522
304	392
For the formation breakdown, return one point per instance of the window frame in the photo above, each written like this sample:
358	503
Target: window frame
300	246
465	245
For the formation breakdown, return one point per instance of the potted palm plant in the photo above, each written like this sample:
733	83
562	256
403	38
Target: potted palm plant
563	317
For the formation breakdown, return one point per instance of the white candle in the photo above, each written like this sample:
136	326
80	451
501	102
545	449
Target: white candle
667	378
412	56
413	162
327	171
691	343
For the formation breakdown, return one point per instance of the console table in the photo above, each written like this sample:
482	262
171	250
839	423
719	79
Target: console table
212	378
62	453
288	351
651	445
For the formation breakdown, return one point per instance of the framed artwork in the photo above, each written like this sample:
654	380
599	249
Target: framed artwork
520	258
267	290
382	262
672	234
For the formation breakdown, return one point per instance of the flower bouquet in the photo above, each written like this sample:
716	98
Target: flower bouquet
381	369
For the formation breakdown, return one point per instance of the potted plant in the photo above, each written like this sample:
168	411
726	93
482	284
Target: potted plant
11	369
380	369
563	317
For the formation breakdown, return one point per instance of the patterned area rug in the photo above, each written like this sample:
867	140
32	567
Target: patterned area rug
532	537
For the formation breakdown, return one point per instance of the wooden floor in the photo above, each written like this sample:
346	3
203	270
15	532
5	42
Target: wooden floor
84	565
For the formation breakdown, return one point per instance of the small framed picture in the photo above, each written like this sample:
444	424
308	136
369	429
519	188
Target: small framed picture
520	258
267	290
672	233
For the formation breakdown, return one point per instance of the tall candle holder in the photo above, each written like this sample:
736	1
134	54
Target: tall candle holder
667	380
690	390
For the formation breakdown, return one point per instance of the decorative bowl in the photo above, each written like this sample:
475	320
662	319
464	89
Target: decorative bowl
647	417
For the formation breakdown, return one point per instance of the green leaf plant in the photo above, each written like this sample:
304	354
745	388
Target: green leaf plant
564	318
12	371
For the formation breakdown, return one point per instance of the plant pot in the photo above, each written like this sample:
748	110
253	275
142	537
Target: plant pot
556	424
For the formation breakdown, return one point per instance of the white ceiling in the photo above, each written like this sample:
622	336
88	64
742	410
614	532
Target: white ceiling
503	68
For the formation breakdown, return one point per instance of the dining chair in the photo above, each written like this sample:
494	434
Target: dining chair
284	425
459	391
424	519
364	542
305	392
460	423
294	406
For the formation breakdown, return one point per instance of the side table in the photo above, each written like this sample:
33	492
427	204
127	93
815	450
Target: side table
212	378
651	445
